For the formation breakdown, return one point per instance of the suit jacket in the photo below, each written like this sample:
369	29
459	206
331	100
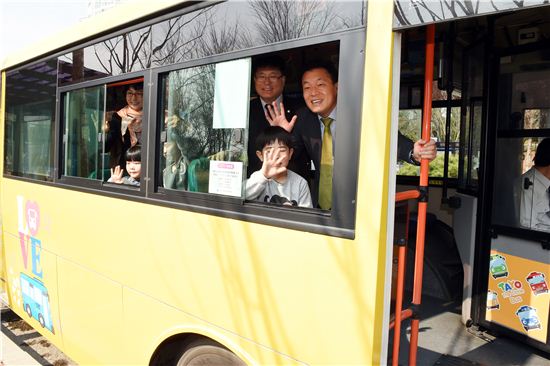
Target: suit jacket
257	123
307	148
404	148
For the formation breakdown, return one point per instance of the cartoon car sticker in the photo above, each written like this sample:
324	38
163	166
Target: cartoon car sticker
497	266
527	315
537	282
492	300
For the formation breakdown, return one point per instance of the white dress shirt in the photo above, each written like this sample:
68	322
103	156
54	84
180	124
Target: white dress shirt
534	202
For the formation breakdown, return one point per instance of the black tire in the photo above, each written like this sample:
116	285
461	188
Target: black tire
208	353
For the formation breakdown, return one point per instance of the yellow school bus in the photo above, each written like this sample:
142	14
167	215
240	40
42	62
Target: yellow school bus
179	267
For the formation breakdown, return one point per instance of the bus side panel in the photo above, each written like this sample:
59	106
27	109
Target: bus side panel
31	278
91	313
275	286
40	239
157	322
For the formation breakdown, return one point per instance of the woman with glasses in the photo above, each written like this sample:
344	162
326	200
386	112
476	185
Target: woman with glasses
124	128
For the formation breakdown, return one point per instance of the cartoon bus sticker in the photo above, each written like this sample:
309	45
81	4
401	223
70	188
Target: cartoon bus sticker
497	266
537	282
528	317
492	300
36	301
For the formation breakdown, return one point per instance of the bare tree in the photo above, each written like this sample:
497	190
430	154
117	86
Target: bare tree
282	20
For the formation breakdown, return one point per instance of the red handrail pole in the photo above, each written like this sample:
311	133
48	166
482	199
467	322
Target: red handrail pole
402	259
407	195
405	314
422	204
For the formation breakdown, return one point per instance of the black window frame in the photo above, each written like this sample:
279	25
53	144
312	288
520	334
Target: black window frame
341	223
59	157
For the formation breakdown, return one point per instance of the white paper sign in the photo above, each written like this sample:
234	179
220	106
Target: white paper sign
226	177
232	94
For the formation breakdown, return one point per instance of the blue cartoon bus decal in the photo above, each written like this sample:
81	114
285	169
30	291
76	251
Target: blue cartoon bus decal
528	317
36	301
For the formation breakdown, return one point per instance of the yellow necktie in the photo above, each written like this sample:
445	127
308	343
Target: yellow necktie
325	180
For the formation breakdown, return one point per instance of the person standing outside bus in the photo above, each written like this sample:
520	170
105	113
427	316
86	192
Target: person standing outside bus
316	132
269	83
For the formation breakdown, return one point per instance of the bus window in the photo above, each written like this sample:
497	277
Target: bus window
100	123
410	125
520	190
84	111
124	121
30	111
115	56
203	125
521	177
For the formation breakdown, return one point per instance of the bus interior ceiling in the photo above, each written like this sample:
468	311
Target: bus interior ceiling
461	49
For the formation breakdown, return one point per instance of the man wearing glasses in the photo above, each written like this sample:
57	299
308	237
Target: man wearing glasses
269	83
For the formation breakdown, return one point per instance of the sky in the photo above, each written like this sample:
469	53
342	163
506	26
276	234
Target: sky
24	22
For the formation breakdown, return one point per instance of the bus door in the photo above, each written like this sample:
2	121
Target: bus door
465	200
513	283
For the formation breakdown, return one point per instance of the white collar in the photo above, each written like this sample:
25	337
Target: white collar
278	100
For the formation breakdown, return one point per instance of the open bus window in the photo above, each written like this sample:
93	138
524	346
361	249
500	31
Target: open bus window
123	129
297	77
203	126
520	197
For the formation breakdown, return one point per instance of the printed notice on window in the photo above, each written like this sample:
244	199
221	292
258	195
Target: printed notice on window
226	177
231	94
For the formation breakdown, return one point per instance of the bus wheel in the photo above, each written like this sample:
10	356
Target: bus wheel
41	320
28	310
205	353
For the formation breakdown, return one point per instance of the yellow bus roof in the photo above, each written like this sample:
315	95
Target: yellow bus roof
110	19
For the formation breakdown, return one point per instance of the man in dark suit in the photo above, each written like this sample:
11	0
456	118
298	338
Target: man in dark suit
316	132
269	82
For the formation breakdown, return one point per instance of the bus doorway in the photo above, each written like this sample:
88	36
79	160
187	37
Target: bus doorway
514	260
490	108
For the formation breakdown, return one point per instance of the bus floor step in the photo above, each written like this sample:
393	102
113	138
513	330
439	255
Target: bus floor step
448	360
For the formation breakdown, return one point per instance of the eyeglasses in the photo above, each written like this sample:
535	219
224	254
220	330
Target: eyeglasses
134	94
264	78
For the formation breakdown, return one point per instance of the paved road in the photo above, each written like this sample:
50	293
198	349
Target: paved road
11	353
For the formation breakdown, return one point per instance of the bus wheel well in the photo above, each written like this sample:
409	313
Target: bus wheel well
171	349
